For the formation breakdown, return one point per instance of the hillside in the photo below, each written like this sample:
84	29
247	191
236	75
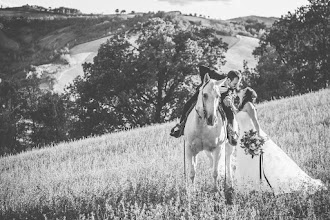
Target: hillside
268	21
26	42
38	12
7	43
139	173
38	38
78	55
240	49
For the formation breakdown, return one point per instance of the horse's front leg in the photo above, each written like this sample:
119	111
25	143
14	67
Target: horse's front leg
191	163
216	158
209	155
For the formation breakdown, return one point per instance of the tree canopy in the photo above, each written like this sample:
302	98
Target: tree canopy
29	116
296	52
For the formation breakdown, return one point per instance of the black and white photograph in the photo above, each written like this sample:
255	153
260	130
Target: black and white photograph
164	109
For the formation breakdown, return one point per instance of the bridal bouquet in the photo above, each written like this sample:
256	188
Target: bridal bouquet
252	143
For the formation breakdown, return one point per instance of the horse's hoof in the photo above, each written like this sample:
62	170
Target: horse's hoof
215	189
229	196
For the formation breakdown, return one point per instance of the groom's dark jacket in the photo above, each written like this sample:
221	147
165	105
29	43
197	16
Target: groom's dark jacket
213	75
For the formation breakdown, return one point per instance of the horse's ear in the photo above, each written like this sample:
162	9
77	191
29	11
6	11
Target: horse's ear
221	82
206	78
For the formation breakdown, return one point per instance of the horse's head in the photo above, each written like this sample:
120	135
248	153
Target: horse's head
209	99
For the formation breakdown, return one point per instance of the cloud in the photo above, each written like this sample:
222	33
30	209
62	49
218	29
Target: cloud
185	2
5	4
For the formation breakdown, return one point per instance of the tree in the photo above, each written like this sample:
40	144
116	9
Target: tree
28	116
117	11
271	78
49	119
302	43
145	82
9	116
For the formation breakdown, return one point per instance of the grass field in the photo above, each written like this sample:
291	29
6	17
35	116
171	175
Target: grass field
240	51
138	174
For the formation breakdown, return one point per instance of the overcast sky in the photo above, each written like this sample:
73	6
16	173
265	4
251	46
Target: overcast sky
220	9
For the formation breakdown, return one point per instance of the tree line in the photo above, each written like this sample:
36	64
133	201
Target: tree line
294	57
148	81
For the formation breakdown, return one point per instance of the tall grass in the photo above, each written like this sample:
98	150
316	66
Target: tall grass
138	174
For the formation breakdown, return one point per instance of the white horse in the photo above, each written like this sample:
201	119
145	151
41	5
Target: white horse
205	129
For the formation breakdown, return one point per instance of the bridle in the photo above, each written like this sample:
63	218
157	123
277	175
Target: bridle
204	110
203	103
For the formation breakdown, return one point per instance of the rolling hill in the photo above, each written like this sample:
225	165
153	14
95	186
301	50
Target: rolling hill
240	49
268	21
39	45
78	55
138	173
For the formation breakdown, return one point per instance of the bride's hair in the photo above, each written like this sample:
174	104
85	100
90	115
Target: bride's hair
249	96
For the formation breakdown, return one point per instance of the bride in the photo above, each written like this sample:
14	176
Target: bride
273	171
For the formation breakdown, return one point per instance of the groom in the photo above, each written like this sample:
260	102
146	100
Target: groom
232	82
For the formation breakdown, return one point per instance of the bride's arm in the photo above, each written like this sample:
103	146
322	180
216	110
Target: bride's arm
251	110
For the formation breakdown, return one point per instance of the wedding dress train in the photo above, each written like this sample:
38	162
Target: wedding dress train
274	172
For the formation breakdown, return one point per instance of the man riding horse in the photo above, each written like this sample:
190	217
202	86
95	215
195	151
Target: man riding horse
227	101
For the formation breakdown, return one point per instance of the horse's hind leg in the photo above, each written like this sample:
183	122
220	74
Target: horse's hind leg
229	149
229	191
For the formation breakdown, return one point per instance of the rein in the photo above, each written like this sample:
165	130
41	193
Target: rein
262	171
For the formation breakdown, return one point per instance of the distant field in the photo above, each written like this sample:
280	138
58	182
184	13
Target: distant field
138	174
31	14
230	40
240	51
91	46
268	21
79	54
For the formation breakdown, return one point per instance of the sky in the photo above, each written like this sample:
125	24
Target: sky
218	9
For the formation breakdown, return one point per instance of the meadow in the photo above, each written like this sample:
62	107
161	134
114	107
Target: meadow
138	173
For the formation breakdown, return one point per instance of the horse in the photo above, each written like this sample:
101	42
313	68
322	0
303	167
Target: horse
205	128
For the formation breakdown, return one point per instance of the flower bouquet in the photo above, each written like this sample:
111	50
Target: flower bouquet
252	143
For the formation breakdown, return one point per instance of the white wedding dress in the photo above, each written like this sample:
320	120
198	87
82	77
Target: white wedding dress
279	173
